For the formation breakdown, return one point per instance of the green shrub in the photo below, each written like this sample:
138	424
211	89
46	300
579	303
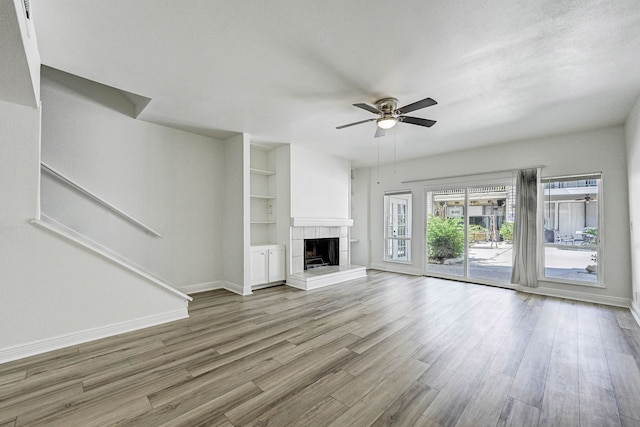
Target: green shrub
446	238
506	231
592	234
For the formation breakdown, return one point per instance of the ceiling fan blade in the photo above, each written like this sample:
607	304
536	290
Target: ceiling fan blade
417	121
356	123
379	132
368	107
427	102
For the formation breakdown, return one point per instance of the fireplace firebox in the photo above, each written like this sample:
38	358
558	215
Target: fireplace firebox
321	252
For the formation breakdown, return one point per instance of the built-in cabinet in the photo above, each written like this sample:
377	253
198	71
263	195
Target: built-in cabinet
267	264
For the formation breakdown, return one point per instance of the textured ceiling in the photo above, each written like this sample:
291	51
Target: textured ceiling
288	71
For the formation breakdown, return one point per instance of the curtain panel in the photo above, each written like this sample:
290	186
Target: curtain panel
525	241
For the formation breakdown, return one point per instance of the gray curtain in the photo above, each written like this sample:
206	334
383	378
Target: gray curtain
525	259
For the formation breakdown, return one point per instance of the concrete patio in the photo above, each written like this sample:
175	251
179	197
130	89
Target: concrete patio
494	263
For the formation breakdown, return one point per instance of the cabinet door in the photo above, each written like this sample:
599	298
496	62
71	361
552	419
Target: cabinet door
276	264
259	266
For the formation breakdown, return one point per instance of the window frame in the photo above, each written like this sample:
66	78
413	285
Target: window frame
391	223
543	244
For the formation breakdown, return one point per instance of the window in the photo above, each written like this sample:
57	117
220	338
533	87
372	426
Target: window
572	232
397	211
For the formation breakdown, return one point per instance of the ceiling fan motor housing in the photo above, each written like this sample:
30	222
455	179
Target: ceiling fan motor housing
387	105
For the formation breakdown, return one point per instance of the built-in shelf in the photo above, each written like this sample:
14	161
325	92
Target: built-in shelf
263	194
262	172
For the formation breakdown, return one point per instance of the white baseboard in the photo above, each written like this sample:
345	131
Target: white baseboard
635	310
202	287
235	288
80	337
267	285
578	296
211	286
396	268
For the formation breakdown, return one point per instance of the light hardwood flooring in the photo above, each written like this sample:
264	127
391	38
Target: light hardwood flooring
386	350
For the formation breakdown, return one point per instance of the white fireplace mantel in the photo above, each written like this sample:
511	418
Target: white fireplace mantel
321	222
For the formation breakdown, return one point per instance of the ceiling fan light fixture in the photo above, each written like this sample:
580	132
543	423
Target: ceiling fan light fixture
386	122
388	114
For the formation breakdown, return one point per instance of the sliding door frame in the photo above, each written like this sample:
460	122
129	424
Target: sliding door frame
464	183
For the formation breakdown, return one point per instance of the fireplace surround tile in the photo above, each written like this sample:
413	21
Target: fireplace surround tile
297	247
310	232
297	264
326	232
344	257
297	233
344	243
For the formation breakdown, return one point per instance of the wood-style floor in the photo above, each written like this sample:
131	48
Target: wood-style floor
388	350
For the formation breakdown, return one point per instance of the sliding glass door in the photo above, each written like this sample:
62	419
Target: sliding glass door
446	255
469	233
490	234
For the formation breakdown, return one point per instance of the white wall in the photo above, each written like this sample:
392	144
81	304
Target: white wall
319	185
590	151
54	293
283	201
19	167
360	211
633	167
236	235
168	179
20	65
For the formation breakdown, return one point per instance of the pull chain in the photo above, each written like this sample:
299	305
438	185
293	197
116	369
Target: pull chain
378	161
395	143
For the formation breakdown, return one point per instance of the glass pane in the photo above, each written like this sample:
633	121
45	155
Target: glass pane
490	233
398	250
570	262
398	227
401	219
549	220
571	229
445	232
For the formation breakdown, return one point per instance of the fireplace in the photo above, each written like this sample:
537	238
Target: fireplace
316	242
321	252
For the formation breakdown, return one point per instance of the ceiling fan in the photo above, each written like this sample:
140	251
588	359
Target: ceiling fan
586	199
389	114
